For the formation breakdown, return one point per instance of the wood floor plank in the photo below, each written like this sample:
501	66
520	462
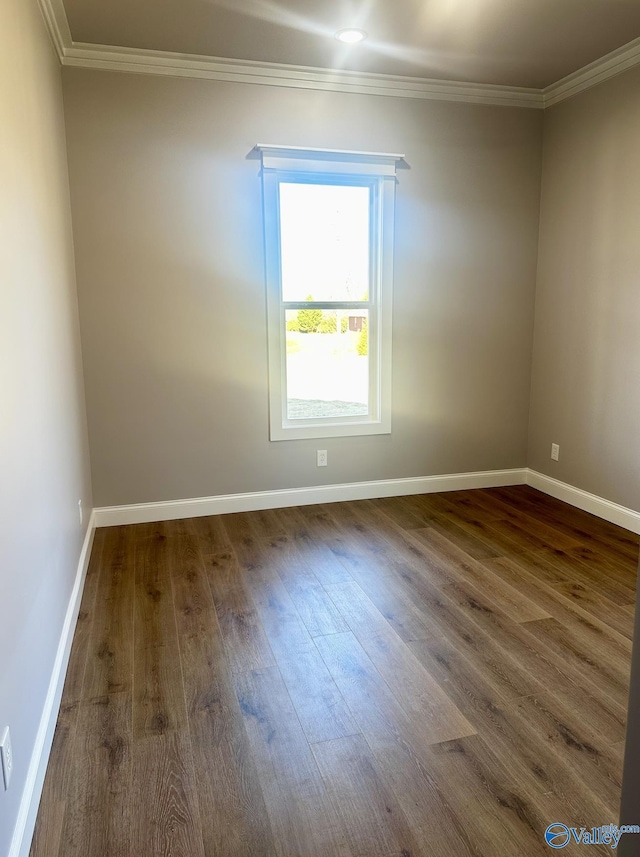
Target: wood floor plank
583	750
363	557
401	545
315	608
524	744
283	626
587	528
513	656
629	612
529	534
584	566
395	605
373	820
233	815
245	641
319	520
47	836
302	818
109	667
238	527
459	628
152	598
551	666
429	506
396	742
234	818
413	686
359	613
478	506
316	698
166	817
567	610
305	542
367	531
158	697
322	711
158	694
322	561
294	524
495	538
505	597
99	808
193	607
455	530
502	819
402	512
598	563
259	525
607	673
618	617
598	532
486	670
465	677
375	708
516	640
506	526
272	724
211	533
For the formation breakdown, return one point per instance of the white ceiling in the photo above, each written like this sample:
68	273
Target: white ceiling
530	43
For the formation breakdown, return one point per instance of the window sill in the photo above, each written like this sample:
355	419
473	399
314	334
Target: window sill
331	430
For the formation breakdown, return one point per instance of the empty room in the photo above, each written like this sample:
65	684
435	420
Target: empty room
320	437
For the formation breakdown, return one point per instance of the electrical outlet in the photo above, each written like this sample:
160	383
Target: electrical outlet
6	754
322	458
80	515
555	452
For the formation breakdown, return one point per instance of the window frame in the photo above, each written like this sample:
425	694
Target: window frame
377	171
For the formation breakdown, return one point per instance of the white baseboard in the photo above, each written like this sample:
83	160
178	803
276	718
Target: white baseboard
612	512
171	510
30	801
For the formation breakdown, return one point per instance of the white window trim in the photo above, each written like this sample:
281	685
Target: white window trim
286	163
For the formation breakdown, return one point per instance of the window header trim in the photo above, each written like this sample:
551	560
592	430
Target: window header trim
298	158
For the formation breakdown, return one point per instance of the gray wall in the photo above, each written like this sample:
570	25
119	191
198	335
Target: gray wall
43	452
586	370
169	253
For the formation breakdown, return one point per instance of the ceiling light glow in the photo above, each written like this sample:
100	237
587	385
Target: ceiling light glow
351	37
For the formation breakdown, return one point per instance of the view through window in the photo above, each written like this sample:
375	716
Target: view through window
325	258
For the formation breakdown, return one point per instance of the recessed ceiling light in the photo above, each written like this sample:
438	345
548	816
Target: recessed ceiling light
351	37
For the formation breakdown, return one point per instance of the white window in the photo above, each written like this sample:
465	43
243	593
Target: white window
329	220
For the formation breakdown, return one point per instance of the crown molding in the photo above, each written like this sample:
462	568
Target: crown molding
591	75
297	77
166	63
57	24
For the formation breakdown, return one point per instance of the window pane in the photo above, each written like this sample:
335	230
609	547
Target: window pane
325	242
327	363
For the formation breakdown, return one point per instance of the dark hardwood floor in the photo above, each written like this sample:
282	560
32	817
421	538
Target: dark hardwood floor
414	677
